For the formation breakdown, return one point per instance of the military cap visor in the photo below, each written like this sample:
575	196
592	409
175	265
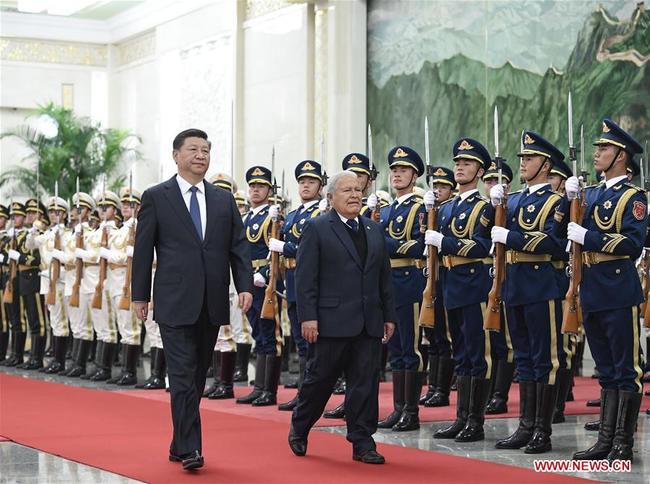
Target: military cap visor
614	135
495	175
4	211
18	209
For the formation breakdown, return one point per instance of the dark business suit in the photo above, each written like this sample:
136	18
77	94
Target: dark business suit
190	289
343	281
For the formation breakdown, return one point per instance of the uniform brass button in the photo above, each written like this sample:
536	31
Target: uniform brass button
536	267
471	271
618	271
406	273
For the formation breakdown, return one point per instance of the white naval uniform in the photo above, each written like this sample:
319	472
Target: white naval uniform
80	321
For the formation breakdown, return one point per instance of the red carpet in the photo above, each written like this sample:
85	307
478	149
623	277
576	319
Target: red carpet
585	389
130	436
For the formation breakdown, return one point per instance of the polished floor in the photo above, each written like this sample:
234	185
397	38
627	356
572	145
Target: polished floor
22	465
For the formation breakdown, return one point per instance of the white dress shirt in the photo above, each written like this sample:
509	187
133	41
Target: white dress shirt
464	196
185	186
345	220
610	183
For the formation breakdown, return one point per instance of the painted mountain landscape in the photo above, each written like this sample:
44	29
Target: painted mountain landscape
454	61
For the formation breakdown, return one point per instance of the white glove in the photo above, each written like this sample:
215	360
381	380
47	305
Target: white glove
322	205
372	202
33	229
58	255
103	224
276	245
78	228
499	234
572	187
576	233
433	237
497	193
274	211
10	232
129	222
2	258
129	251
13	254
258	280
82	254
429	199
105	253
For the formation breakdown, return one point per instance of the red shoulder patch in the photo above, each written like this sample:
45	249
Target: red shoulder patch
638	210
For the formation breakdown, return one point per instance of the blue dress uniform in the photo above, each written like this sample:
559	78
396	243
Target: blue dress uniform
291	232
441	363
534	303
4	320
405	242
465	248
503	355
616	220
267	335
360	163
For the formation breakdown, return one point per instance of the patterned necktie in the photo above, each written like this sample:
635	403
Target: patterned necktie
300	209
353	224
195	213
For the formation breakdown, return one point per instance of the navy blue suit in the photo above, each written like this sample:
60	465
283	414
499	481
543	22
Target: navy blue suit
351	300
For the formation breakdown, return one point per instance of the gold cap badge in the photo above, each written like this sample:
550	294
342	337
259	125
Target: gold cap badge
257	172
439	172
354	160
400	153
528	140
605	128
308	166
464	145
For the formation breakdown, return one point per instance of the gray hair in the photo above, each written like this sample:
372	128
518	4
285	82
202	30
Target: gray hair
333	181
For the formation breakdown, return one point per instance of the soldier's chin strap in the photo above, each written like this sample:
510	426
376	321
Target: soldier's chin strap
473	178
539	169
618	152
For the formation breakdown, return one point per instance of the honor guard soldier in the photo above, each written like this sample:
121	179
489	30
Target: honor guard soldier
242	203
441	362
4	317
463	242
558	176
97	286
232	337
612	235
268	343
502	352
47	243
77	300
309	176
118	252
360	164
12	295
401	224
531	294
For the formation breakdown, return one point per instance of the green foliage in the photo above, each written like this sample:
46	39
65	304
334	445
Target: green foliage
80	148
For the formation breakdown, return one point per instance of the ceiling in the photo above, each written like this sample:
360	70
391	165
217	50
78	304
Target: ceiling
93	10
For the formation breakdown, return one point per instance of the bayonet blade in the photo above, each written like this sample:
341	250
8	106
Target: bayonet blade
496	132
56	194
78	206
582	151
570	117
427	154
370	148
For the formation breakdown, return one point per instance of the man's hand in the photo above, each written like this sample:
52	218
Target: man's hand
497	193
13	255
576	233
141	309
245	301
389	329
258	280
433	237
372	202
309	330
276	245
499	234
572	187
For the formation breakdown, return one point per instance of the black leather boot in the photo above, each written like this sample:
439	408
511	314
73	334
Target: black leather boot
607	424
227	368
158	370
338	412
271	380
260	369
4	345
440	397
79	364
593	426
38	351
74	352
57	365
431	379
629	404
527	404
130	366
473	430
18	349
216	356
464	390
410	420
99	352
563	386
541	439
241	367
104	361
498	403
398	401
114	379
291	404
152	357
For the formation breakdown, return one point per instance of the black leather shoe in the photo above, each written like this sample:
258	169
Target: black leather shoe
593	403
338	412
438	399
222	392
407	421
266	399
155	384
593	426
339	389
297	445
175	458
289	406
193	461
369	457
496	406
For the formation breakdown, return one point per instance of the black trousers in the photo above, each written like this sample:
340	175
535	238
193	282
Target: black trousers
188	352
360	358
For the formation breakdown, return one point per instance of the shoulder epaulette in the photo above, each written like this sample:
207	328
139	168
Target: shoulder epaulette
631	185
447	201
518	191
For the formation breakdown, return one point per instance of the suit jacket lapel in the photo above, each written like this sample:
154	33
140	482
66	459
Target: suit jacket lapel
371	244
173	194
211	207
344	237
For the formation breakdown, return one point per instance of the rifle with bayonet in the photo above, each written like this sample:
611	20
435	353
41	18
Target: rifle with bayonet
492	316
103	263
55	265
572	314
427	311
8	294
78	263
125	298
375	215
270	304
